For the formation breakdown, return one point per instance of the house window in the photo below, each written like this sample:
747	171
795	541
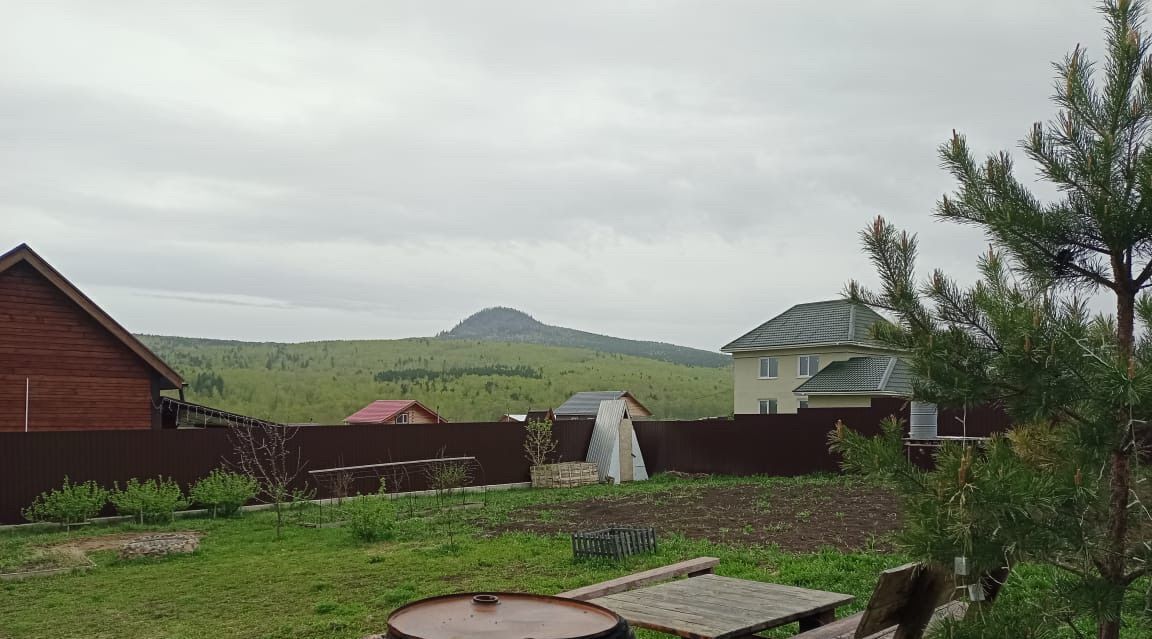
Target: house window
809	364
803	401
769	367
402	418
767	407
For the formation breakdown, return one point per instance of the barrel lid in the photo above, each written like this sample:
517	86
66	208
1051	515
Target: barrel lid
501	615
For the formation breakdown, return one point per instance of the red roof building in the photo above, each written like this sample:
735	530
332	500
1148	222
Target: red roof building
395	411
65	364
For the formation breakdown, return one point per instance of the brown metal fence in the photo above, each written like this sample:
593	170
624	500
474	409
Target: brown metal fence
783	444
793	444
31	463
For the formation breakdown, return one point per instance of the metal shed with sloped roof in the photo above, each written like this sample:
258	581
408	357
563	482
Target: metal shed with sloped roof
612	430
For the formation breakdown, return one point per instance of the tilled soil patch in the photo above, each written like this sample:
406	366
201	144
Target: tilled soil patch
797	518
115	541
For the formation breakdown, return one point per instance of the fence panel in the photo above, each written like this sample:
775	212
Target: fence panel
782	444
31	463
793	444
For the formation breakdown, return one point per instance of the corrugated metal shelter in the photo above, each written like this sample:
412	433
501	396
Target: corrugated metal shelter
614	438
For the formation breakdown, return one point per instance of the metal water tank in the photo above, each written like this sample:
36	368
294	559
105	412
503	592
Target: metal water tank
923	421
503	615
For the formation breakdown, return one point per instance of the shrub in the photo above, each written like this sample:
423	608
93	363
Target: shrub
539	441
223	492
150	500
371	517
69	505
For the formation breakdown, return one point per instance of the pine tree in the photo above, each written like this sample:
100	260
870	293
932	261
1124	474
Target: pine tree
1065	487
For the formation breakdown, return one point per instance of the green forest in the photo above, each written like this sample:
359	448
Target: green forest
463	380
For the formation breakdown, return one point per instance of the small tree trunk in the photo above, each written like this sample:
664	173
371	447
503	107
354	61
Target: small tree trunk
1113	563
1120	480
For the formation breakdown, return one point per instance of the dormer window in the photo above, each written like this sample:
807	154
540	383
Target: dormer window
808	366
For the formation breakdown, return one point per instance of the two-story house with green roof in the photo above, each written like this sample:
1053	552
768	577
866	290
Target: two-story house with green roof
818	355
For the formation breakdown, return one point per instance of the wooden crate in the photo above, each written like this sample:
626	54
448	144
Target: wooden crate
565	475
616	542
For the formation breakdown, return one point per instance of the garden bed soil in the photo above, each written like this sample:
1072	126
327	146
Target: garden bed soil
797	518
116	541
72	554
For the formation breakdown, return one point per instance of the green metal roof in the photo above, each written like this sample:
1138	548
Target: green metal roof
828	322
861	376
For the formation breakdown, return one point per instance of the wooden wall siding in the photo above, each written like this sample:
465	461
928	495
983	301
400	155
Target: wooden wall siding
81	376
635	409
417	415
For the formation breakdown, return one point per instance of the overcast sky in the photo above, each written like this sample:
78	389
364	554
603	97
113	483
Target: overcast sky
678	171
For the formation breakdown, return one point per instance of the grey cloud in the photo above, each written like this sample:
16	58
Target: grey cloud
419	159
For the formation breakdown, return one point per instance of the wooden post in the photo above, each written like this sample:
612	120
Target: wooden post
627	467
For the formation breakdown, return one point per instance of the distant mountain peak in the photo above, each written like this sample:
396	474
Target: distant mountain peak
495	321
504	324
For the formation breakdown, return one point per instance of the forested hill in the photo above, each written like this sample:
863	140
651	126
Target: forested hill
465	380
502	324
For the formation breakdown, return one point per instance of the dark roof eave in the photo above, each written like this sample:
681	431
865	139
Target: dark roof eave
748	349
870	393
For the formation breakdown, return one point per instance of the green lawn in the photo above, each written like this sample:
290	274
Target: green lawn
242	583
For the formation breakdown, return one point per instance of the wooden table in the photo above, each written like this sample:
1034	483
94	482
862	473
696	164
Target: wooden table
715	607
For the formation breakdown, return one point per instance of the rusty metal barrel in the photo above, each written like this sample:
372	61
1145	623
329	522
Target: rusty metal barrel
504	615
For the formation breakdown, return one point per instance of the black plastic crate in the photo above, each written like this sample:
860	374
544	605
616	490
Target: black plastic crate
615	542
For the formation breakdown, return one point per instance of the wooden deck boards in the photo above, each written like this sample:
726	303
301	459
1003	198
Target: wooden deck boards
714	607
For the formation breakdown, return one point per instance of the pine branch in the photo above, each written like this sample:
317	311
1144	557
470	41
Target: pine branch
1136	574
1141	280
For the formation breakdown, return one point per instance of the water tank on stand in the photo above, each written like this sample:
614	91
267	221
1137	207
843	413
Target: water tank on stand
923	421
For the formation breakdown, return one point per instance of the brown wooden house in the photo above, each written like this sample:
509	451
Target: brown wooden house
65	364
395	411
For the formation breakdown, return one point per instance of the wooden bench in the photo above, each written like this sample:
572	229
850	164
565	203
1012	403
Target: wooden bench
689	568
906	600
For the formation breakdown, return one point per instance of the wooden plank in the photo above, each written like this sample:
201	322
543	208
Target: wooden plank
691	567
746	608
888	598
931	588
905	597
722	607
755	592
681	624
839	629
733	616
